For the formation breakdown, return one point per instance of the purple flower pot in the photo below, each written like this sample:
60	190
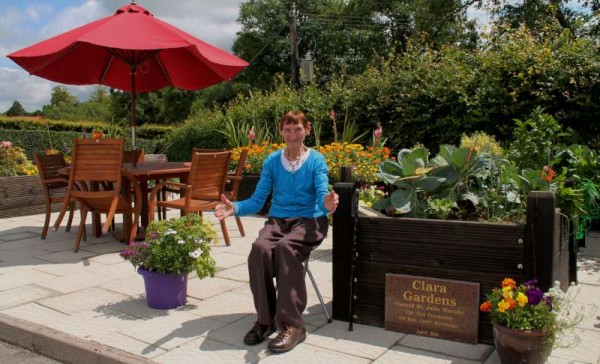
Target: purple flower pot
164	291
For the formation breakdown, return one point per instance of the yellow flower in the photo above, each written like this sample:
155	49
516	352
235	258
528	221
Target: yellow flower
503	306
522	299
507	292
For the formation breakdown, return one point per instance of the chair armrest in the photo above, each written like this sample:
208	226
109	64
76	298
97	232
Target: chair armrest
161	185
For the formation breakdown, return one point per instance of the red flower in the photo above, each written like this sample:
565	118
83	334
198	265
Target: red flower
548	173
485	307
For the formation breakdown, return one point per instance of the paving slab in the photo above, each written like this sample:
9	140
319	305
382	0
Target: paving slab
206	288
364	341
400	354
205	350
477	353
82	300
24	294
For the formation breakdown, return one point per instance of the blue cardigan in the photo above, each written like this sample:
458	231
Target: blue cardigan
299	194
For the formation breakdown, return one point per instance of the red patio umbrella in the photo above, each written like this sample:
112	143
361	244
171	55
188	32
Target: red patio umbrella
130	50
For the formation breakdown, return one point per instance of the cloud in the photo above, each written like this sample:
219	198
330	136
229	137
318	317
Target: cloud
31	92
27	22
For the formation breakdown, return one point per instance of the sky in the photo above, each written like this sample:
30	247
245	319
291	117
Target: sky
26	22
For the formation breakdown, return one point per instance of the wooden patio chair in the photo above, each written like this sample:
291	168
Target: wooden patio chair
94	162
233	182
135	155
54	186
206	182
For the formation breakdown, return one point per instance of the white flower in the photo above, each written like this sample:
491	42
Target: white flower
181	241
199	241
171	232
195	254
568	314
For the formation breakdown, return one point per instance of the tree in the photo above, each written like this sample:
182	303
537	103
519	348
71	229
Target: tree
539	15
60	94
100	95
16	110
344	37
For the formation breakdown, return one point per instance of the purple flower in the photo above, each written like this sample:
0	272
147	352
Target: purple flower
128	253
153	235
534	295
531	283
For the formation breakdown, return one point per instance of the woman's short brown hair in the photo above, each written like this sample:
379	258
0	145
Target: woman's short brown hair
293	117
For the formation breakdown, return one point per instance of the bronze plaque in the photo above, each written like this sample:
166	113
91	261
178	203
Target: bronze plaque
440	308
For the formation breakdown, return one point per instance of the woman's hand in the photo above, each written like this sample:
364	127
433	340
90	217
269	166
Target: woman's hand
224	208
331	201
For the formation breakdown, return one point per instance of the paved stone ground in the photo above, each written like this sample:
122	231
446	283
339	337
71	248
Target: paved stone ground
90	307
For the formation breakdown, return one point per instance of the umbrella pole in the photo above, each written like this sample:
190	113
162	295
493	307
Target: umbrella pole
133	69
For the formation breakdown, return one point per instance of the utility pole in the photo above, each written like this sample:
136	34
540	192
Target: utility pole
294	45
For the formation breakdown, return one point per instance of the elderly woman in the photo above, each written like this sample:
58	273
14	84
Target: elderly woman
297	179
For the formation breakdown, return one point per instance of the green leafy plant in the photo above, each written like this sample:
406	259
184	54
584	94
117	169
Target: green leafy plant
175	246
369	194
526	307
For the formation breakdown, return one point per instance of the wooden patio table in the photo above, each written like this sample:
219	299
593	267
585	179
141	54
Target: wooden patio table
153	171
141	173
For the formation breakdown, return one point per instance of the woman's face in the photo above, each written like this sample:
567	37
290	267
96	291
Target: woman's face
294	134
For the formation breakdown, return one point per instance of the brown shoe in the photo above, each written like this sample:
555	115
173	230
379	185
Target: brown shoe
287	339
258	333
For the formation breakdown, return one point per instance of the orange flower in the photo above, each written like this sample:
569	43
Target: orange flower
486	306
509	282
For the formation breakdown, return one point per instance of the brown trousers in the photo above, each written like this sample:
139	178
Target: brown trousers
280	250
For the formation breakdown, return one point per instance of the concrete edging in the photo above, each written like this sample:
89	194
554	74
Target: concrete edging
61	346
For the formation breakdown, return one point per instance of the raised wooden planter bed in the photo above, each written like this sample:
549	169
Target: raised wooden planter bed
21	196
365	248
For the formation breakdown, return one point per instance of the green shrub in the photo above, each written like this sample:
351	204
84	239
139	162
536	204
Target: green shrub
195	133
13	161
482	142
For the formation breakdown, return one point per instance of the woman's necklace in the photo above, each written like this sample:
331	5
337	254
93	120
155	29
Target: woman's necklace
296	162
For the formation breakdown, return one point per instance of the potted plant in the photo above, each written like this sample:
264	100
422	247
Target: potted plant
528	323
172	249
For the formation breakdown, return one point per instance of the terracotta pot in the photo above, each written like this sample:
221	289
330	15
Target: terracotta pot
521	347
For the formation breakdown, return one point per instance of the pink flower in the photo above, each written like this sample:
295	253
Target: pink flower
5	144
332	114
378	132
251	135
